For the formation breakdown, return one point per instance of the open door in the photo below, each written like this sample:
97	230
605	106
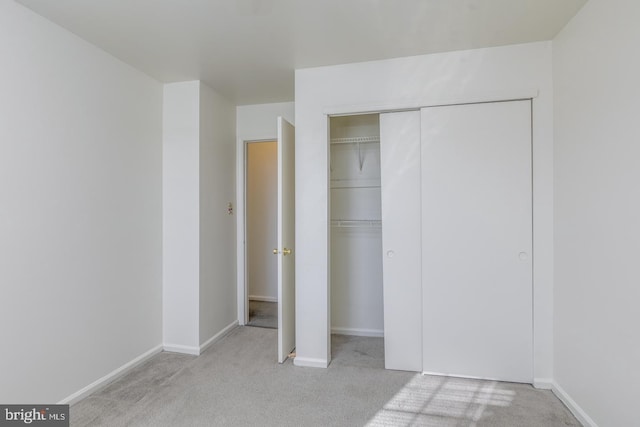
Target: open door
286	238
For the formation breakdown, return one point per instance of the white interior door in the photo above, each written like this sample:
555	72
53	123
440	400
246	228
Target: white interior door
401	240
477	240
286	237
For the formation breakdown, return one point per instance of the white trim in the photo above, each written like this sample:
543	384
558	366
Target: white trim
310	362
575	409
240	224
262	298
416	104
543	383
542	157
183	349
471	377
378	333
217	337
109	378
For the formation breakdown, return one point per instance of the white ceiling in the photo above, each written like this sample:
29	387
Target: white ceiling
247	49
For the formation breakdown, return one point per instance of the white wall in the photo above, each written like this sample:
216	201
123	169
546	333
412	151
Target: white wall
597	207
80	211
217	227
261	224
199	279
253	123
258	122
479	75
181	216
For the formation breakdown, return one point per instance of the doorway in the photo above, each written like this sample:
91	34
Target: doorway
282	248
261	226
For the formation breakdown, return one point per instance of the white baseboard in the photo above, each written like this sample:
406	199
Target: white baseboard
262	298
184	349
378	333
470	377
109	378
543	383
197	351
310	363
217	337
575	409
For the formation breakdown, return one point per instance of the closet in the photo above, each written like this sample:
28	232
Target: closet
431	237
356	238
375	243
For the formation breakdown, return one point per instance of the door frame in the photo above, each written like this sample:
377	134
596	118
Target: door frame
542	169
241	222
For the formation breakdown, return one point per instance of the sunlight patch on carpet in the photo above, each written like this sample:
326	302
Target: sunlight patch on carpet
442	401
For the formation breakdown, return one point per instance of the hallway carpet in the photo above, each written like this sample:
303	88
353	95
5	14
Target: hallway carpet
263	314
237	382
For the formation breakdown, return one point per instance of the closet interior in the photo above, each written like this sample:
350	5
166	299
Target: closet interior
356	230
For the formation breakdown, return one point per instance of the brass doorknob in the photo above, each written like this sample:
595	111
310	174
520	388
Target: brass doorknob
286	251
276	251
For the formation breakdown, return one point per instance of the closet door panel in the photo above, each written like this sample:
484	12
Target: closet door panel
402	287
477	240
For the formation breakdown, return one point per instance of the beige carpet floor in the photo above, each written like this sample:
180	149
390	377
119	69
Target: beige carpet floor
237	382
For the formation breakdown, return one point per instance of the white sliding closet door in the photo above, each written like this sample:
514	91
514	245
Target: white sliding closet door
477	240
402	286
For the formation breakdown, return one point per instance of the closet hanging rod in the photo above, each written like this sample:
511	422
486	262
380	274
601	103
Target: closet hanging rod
351	183
350	187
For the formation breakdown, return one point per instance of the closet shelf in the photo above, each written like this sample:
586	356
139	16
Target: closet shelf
356	140
356	223
340	184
